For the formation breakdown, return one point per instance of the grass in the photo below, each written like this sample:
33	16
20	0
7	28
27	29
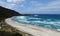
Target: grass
5	28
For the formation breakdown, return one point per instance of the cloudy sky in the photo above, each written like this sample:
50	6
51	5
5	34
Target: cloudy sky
33	6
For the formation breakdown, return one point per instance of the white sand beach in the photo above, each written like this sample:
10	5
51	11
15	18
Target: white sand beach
35	31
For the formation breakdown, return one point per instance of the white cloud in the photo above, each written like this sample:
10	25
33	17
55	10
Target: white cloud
16	1
37	7
10	6
46	8
35	3
7	5
1	2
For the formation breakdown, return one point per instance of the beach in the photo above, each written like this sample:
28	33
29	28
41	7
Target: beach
35	31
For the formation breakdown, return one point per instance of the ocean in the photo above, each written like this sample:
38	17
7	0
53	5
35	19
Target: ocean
51	21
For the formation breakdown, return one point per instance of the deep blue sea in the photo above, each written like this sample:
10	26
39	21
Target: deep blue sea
51	21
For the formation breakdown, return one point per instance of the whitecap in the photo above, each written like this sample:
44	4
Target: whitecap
21	17
48	26
58	29
35	15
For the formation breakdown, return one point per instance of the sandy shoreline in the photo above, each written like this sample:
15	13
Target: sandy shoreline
35	31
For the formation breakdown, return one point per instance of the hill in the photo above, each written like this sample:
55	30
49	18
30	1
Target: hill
6	13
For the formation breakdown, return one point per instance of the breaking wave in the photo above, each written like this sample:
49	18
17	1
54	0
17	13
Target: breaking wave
39	21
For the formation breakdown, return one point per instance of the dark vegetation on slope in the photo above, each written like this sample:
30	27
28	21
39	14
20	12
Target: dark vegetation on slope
6	13
5	29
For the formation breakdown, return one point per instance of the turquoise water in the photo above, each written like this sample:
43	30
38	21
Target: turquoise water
51	23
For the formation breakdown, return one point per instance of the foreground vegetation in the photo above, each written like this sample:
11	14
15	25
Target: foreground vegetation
7	30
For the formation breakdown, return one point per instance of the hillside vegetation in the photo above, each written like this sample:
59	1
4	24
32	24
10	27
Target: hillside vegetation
6	13
5	29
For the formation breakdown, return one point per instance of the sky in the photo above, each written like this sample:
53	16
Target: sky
33	6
